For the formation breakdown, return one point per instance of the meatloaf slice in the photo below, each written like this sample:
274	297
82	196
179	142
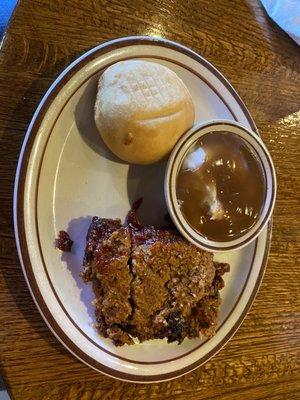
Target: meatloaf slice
106	264
170	277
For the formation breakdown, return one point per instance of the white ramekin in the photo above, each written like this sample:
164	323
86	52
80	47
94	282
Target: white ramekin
179	152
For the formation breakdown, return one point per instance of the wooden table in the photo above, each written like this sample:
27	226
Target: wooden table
263	63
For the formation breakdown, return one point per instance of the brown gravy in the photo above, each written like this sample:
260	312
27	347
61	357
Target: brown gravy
221	187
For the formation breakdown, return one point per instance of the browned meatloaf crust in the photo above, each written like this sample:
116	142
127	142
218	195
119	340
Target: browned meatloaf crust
150	283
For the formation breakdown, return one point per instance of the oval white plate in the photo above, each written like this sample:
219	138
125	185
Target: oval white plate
66	175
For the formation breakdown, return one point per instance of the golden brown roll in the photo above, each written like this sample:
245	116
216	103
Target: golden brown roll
142	108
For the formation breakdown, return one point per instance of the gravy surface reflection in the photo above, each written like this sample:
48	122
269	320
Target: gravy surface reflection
221	186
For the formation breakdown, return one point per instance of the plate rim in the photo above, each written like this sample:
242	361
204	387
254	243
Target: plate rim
18	206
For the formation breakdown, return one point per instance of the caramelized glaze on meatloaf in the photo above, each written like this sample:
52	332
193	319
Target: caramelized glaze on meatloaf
150	283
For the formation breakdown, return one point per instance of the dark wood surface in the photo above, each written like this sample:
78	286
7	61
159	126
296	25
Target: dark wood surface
263	64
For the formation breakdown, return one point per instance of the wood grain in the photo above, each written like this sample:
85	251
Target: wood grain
263	63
